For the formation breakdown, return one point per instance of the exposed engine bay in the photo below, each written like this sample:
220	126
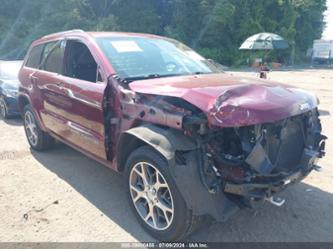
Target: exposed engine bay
257	161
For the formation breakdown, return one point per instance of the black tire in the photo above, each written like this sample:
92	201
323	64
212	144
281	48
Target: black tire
183	222
43	140
3	108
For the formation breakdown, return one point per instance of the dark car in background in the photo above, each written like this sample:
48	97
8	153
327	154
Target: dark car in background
191	140
9	84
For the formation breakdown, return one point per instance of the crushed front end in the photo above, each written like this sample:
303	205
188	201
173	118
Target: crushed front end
252	163
250	139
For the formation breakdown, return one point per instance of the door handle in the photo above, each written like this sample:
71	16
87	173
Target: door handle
59	84
33	78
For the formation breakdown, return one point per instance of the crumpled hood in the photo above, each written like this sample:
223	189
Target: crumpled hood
232	101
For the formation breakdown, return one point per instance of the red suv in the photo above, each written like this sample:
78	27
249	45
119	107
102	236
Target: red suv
192	141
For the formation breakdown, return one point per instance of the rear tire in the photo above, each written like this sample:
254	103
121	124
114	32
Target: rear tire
37	138
163	212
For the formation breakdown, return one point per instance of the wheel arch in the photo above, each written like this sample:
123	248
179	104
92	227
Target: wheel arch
22	102
165	141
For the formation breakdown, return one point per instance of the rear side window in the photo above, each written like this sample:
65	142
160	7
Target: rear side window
35	56
53	57
47	49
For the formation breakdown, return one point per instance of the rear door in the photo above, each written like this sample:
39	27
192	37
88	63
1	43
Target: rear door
55	102
85	86
28	86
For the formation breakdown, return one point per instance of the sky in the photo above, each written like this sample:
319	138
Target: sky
328	31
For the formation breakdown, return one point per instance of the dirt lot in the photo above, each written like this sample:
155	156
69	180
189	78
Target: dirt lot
61	195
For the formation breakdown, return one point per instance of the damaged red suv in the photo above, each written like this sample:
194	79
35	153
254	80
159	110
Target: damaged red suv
192	141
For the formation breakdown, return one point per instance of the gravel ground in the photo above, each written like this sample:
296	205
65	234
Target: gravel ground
62	195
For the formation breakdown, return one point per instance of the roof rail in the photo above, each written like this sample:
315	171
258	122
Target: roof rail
63	32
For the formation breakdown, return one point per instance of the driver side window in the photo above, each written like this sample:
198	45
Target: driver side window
79	62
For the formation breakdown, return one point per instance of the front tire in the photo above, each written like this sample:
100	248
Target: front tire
38	139
154	197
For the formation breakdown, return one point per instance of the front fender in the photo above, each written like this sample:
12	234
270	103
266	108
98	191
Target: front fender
165	141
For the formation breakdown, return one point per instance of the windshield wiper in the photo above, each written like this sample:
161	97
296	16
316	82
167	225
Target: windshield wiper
148	76
200	72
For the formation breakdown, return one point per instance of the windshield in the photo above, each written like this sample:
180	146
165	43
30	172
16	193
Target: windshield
10	70
141	57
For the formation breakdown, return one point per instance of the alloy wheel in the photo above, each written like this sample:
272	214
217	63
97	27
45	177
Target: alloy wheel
151	196
31	128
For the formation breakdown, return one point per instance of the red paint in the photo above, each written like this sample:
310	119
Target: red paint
226	101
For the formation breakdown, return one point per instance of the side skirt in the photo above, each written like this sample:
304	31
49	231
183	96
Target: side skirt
106	163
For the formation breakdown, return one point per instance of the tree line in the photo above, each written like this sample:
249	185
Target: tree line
215	28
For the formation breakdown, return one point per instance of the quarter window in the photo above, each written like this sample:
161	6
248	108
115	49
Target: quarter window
35	56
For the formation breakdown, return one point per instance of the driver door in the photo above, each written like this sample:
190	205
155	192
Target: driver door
86	91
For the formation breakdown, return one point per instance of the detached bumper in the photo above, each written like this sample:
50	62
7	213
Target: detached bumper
263	190
275	184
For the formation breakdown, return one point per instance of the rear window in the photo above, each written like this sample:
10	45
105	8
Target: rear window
35	56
